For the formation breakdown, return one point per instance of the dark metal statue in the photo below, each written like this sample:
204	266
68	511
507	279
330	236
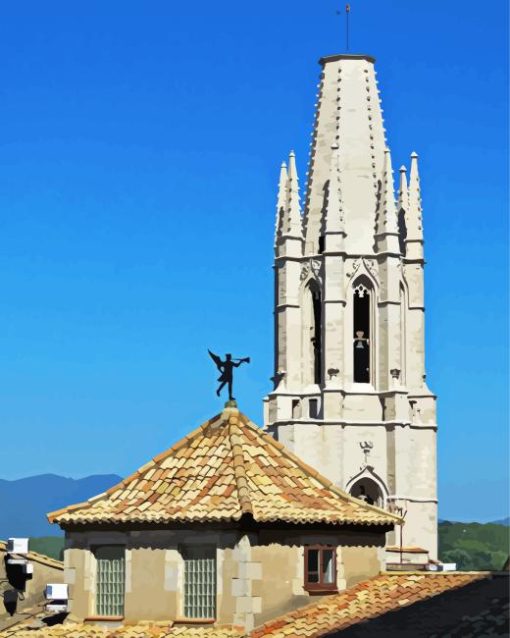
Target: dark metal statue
227	371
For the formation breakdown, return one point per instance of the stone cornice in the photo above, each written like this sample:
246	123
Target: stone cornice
345	423
346	56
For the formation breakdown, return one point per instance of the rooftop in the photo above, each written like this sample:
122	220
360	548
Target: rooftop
382	600
141	630
225	469
38	558
422	605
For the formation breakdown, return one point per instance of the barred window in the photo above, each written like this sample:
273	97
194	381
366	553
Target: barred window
199	582
110	580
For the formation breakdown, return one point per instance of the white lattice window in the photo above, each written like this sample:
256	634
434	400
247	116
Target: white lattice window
110	580
199	582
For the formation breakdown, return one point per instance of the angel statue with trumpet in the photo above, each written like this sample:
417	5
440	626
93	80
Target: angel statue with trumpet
227	371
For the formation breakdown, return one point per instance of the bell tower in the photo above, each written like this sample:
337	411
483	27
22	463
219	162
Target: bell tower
350	395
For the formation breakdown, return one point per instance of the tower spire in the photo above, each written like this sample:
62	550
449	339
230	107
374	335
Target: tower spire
281	202
293	225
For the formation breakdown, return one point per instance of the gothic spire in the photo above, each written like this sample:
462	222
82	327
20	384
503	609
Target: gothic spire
386	223
403	194
333	220
414	212
281	201
348	112
293	225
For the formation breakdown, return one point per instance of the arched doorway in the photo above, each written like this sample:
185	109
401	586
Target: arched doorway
367	490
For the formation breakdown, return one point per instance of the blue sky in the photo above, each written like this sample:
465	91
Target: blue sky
139	154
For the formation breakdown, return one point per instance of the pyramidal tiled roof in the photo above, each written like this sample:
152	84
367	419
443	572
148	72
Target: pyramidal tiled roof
224	469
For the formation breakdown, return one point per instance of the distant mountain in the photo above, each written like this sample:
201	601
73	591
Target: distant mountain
25	502
503	521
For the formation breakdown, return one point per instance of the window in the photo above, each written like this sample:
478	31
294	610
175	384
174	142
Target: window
320	568
199	582
312	333
296	409
402	231
313	408
110	580
361	340
367	490
316	335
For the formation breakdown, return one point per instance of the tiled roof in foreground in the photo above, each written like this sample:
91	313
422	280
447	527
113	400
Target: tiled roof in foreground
38	558
142	630
367	600
224	469
392	605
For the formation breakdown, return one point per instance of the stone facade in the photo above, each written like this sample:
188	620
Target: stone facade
260	573
350	394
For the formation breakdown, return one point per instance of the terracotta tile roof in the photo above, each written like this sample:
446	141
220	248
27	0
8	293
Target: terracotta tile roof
38	558
224	469
368	599
142	630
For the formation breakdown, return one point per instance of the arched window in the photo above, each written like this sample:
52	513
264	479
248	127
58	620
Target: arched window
402	232
403	309
312	308
362	346
367	490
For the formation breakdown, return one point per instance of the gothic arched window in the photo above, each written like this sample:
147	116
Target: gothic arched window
403	307
362	333
313	333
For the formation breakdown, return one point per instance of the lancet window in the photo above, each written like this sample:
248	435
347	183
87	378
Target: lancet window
362	337
312	333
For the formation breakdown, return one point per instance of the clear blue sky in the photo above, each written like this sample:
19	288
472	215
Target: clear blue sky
139	152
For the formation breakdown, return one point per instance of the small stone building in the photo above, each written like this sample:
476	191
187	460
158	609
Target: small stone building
227	527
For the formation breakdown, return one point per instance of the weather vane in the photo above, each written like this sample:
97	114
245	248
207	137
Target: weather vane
227	371
347	11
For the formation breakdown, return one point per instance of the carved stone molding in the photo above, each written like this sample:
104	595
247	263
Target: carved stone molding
312	268
369	264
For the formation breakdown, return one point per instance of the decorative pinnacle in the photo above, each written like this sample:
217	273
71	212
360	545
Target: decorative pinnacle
292	224
414	217
387	217
281	202
403	195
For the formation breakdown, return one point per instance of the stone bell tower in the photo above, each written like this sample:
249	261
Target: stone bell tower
350	394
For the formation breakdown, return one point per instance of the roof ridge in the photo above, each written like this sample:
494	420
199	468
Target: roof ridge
315	473
238	462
